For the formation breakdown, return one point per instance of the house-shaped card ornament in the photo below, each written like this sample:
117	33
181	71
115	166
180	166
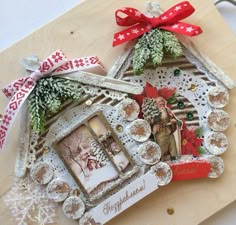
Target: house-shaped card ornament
132	131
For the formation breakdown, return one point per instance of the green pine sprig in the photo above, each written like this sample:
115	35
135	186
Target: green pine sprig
156	46
152	45
141	54
171	44
47	97
36	111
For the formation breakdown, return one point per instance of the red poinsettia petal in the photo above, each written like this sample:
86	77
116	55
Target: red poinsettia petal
189	136
195	152
198	142
183	150
138	99
184	125
190	146
150	91
183	131
166	92
183	136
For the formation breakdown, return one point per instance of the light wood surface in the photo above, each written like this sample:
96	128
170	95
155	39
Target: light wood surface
88	30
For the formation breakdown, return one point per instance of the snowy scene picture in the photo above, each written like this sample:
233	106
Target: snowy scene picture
109	144
86	159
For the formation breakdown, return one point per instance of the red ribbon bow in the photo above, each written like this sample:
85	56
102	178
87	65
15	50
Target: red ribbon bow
141	24
19	90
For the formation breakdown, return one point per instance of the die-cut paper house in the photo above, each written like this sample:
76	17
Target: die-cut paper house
189	81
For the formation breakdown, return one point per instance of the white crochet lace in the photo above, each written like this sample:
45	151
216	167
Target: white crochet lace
164	77
97	91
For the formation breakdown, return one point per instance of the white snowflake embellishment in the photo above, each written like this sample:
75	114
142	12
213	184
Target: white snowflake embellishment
28	202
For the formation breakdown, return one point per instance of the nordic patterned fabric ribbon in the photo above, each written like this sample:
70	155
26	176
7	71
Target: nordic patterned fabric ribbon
19	90
140	24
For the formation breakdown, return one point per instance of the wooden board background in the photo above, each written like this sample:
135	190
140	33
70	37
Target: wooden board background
88	30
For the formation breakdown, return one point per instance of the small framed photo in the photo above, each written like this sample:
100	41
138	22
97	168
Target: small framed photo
95	157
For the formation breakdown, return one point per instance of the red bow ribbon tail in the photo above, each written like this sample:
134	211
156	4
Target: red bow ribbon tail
183	28
138	22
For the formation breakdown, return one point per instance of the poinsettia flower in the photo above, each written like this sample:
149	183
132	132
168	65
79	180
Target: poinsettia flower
189	141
